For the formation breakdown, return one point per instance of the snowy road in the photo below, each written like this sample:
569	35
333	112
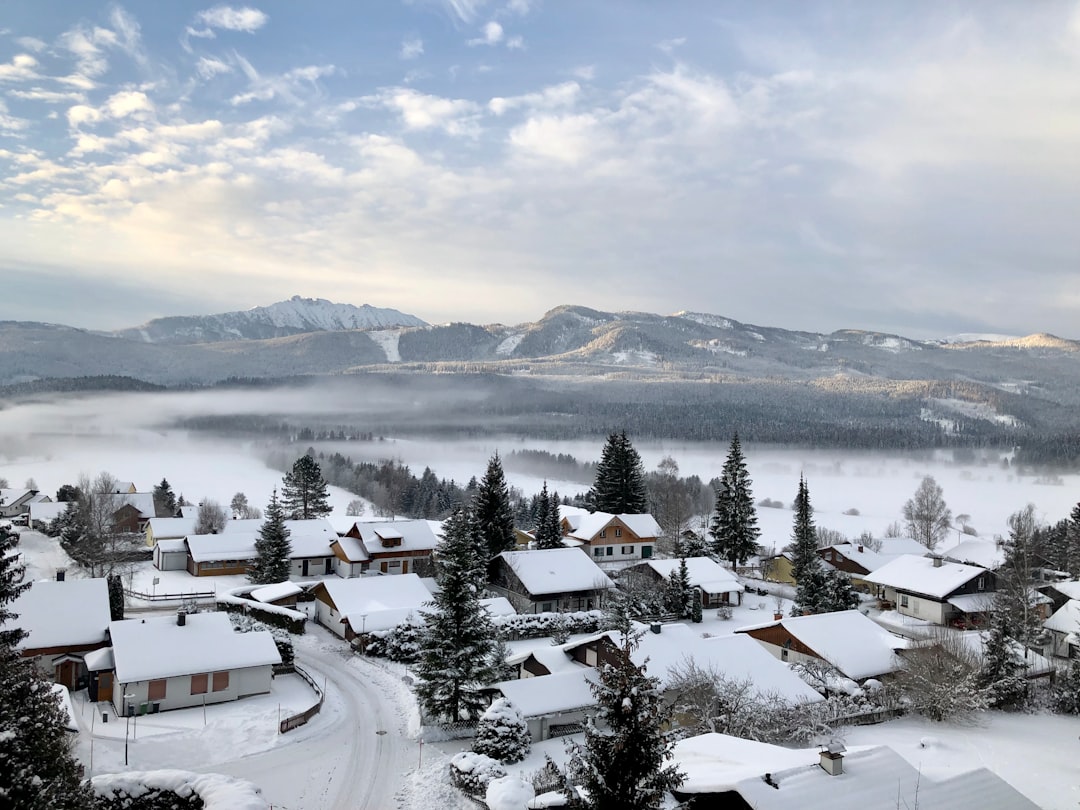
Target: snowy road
360	752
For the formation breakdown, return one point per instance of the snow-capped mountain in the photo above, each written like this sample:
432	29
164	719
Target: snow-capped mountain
296	316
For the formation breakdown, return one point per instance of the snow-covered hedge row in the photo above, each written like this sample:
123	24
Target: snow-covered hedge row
274	615
169	789
537	625
472	772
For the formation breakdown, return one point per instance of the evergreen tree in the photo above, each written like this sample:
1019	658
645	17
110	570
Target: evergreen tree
491	503
837	593
679	595
1014	597
116	597
622	763
1072	540
619	487
804	536
36	764
458	644
810	591
502	733
1066	691
1000	676
548	530
272	548
164	499
734	528
304	494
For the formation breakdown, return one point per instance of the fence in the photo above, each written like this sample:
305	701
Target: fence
194	596
297	720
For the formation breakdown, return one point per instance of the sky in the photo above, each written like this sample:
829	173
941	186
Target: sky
908	167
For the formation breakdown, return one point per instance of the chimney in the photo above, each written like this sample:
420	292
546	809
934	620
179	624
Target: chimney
937	562
60	574
860	548
181	618
655	627
832	758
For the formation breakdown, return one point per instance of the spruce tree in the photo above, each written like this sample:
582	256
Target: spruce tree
494	517
272	548
1072	540
164	499
678	596
116	597
548	531
619	487
304	494
458	644
734	528
36	764
622	764
1000	676
806	566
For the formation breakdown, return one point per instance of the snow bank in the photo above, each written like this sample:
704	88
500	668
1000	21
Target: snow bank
508	793
218	792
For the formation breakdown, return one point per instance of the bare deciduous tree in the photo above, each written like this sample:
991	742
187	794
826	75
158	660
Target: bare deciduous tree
927	515
940	675
211	517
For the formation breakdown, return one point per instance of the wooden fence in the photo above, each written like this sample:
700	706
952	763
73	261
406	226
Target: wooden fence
297	720
195	596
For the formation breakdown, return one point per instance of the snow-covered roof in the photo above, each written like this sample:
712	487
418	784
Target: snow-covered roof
279	590
556	570
385	601
173	527
47	512
351	550
496	606
10	496
307	538
1069	588
99	660
919	575
158	647
1066	619
871	560
171	546
705	573
551	694
983	553
856	645
71	613
873	777
414	535
67	708
972	602
142	501
587	526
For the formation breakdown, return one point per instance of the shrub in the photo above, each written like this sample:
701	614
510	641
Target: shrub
471	772
502	733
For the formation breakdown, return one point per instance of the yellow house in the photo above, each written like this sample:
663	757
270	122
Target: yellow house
777	569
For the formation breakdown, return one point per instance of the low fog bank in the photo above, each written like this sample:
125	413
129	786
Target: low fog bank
134	436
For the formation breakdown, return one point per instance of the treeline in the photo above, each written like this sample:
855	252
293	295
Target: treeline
76	384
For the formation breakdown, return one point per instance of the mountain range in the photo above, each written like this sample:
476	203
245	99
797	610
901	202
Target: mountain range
1001	381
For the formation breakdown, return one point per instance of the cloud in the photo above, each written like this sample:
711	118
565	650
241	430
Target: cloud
11	123
516	43
21	68
208	67
82	114
420	111
48	96
128	102
31	44
287	86
519	6
492	34
559	95
411	48
231	18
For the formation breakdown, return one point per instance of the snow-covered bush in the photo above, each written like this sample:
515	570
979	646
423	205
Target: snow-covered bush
174	790
282	640
537	625
471	772
508	793
1065	695
502	733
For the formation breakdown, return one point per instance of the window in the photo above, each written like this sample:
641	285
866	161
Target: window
618	532
199	684
903	600
981	584
783	655
156	690
395	563
598	552
627	549
545	607
610	550
603	532
646	552
221	681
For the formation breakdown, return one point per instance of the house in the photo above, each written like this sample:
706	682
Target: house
984	553
1060	592
545	580
612	539
64	620
552	689
935	590
282	594
856	646
172	662
777	568
389	547
353	607
233	551
15	502
41	513
1064	629
171	528
717	584
857	559
736	774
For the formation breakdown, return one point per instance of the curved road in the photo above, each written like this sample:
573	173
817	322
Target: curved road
353	754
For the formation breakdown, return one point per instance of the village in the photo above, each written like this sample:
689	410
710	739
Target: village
170	651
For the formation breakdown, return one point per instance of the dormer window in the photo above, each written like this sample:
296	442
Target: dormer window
389	538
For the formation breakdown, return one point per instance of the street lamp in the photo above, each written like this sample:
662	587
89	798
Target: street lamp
127	723
363	634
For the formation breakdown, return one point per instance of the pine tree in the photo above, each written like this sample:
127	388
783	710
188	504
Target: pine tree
837	593
458	644
619	487
679	594
622	763
1014	596
272	563
304	494
502	733
36	764
548	530
1072	555
494	517
164	499
734	528
804	536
